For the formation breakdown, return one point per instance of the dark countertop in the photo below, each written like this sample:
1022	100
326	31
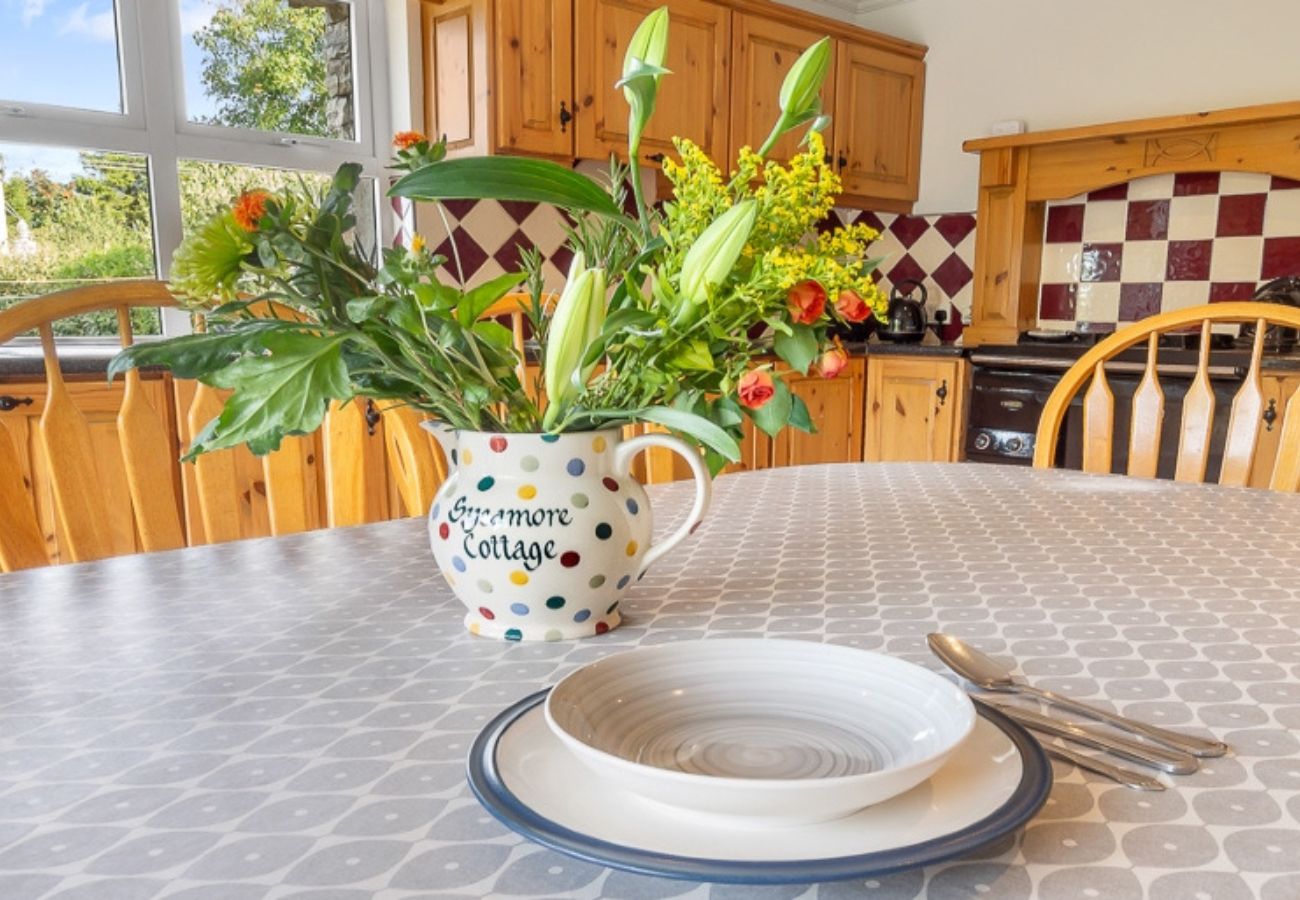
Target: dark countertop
884	348
23	361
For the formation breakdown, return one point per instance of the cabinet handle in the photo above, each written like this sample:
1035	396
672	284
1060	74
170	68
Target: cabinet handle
942	392
843	161
8	403
655	157
1270	415
565	116
372	418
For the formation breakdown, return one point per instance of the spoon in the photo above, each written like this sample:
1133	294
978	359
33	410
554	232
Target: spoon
984	672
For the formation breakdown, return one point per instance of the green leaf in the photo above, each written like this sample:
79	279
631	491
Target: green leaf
694	355
698	427
283	392
196	355
509	178
362	308
774	415
799	415
476	301
798	348
495	334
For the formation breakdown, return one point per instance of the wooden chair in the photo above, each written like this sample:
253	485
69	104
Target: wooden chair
128	492
1244	426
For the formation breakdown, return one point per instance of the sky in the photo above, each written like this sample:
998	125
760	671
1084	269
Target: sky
64	52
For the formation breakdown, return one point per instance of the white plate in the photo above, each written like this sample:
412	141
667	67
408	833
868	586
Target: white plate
525	776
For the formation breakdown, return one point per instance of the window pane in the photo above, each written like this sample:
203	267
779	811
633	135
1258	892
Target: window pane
70	218
269	65
61	52
209	187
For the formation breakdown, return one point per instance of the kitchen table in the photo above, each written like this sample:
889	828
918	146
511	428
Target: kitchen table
289	717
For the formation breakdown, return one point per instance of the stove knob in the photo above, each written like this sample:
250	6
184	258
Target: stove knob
1014	444
983	441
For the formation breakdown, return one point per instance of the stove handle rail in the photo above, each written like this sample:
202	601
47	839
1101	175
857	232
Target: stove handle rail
1047	363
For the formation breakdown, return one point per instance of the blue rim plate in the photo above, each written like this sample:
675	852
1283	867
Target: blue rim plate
488	785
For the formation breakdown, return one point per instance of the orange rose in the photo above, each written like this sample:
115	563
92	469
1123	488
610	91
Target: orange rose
756	388
807	300
249	209
405	140
833	362
852	307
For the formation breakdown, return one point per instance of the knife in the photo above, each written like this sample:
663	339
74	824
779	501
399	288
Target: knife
1171	761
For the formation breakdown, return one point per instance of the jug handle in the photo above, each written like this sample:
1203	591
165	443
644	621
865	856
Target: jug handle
623	454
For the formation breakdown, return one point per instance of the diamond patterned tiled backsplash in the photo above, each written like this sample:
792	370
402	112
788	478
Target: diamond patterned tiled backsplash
939	251
1166	242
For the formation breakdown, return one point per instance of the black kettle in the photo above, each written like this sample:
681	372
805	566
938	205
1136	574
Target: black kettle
1277	339
905	321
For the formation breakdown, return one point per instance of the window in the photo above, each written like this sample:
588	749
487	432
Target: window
184	110
60	53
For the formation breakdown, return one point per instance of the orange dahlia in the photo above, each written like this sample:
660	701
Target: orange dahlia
249	209
405	140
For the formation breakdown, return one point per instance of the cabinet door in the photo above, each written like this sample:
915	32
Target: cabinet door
532	77
878	97
692	101
1278	391
914	409
836	408
453	37
762	52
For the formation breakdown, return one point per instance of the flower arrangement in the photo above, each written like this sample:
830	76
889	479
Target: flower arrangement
669	316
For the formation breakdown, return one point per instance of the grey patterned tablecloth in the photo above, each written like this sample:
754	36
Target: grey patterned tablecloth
289	717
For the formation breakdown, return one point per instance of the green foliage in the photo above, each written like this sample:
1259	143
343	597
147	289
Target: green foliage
264	66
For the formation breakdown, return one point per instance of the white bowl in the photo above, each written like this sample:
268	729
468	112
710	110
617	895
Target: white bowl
772	732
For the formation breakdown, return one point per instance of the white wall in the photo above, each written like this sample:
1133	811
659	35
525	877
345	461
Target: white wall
1056	63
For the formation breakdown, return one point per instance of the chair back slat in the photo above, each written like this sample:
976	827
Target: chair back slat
1198	418
354	467
414	459
1098	423
149	457
290	477
1286	467
216	480
78	493
1247	415
1148	417
22	545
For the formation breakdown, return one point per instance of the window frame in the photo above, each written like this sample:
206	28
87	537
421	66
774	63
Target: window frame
155	123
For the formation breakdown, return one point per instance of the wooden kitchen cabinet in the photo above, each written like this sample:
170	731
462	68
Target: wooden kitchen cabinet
763	50
915	408
877	125
1278	388
99	402
692	102
498	75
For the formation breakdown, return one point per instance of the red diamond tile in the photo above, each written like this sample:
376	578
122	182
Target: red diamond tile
1101	262
906	268
1231	290
1057	301
869	219
1065	223
954	228
459	208
518	209
1281	257
1114	192
953	327
908	229
471	255
1189	261
508	255
1283	184
1241	215
1148	220
1187	184
952	275
561	258
1137	301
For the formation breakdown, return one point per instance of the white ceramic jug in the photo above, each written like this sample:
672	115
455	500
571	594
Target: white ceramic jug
539	534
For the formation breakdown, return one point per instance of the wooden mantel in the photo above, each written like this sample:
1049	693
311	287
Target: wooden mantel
1020	173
